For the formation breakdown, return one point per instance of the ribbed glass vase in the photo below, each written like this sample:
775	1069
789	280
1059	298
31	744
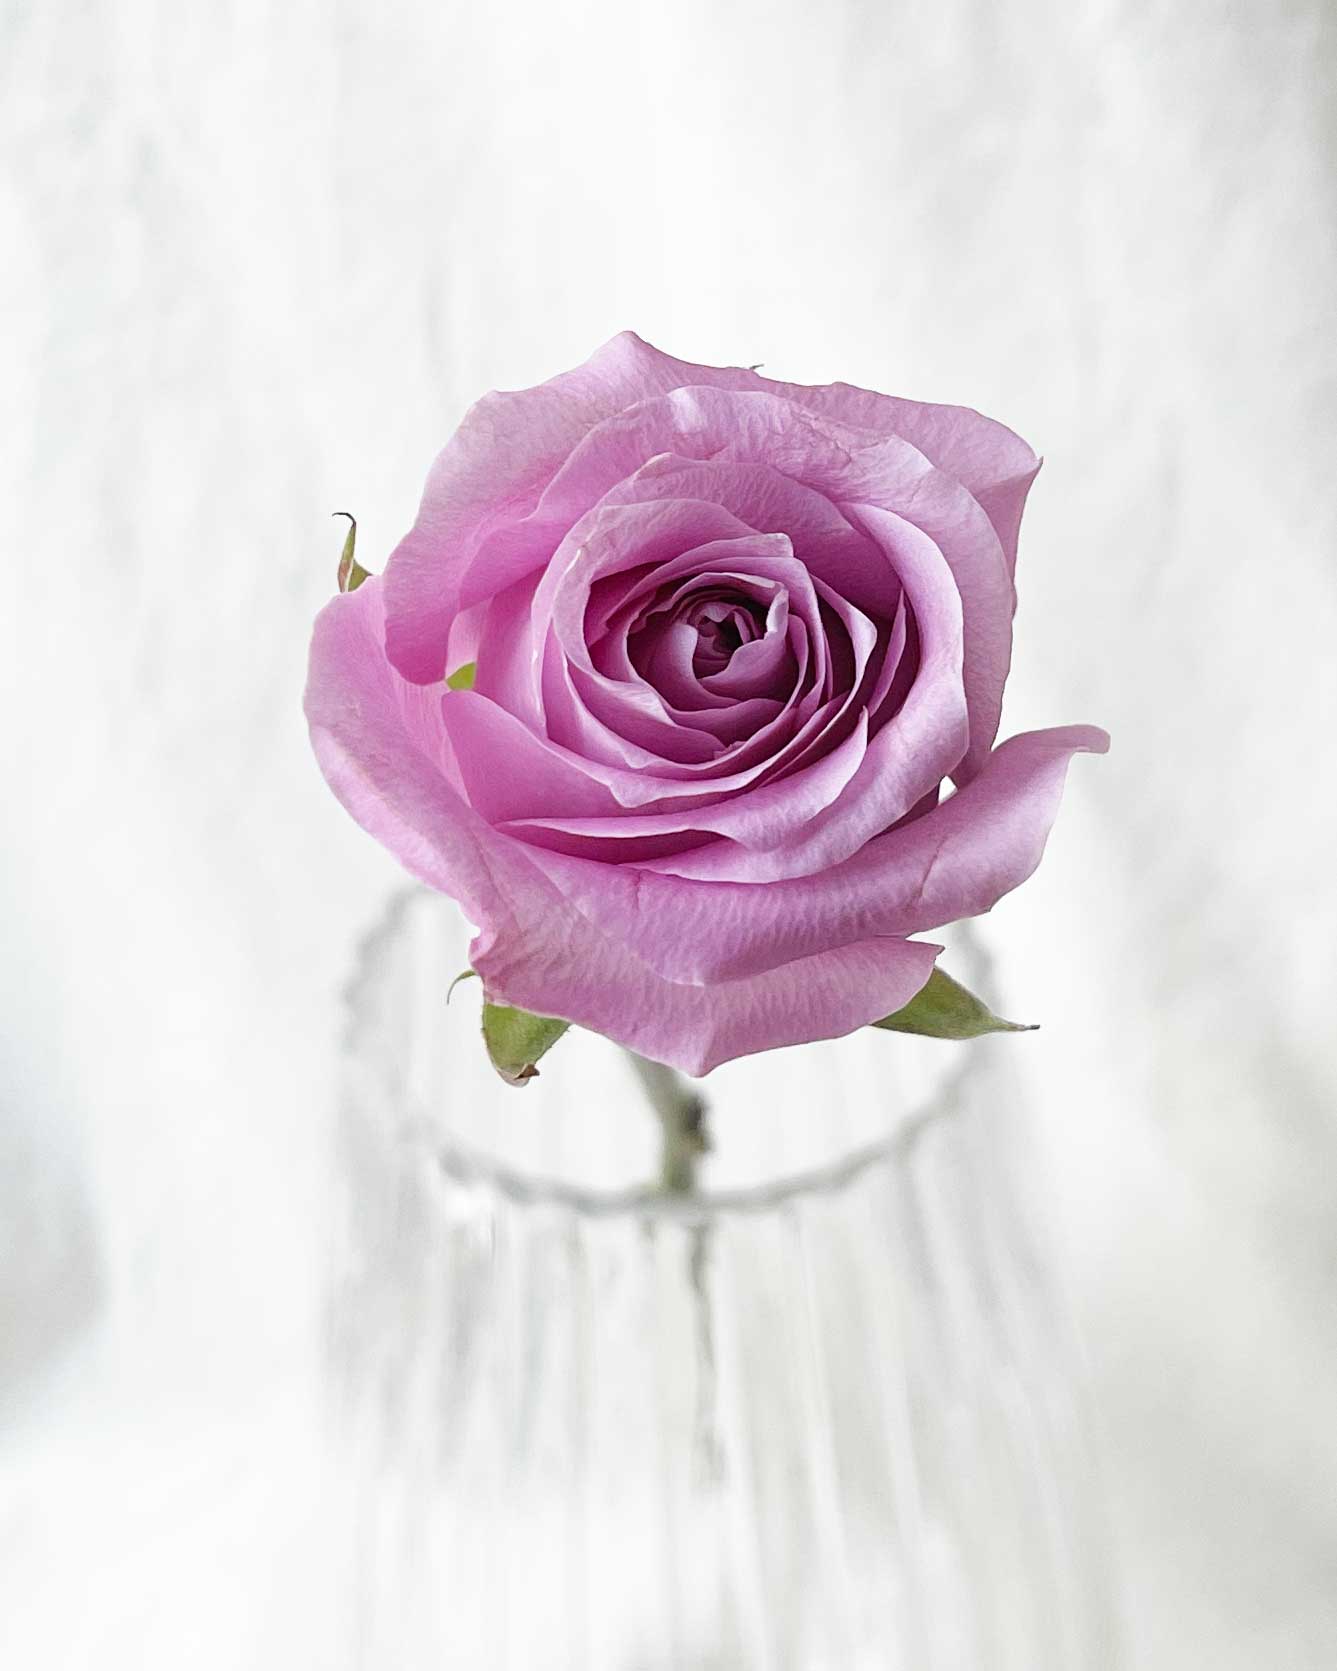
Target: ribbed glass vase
819	1416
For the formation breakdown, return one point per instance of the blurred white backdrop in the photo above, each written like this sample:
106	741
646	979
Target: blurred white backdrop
260	258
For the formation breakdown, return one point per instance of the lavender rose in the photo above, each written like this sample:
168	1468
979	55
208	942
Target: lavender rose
664	686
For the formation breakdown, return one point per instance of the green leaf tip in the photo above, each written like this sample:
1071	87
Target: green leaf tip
464	975
516	1040
944	1009
463	677
350	573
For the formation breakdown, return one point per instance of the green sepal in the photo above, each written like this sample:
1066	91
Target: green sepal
463	677
350	573
943	1009
515	1040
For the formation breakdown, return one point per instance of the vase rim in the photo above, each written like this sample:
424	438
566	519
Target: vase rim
464	1167
467	1166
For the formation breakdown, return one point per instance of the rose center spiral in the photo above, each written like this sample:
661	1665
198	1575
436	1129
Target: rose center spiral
721	628
694	632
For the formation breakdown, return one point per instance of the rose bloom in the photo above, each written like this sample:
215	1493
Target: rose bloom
734	639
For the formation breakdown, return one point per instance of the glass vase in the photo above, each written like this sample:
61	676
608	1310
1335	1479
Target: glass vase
820	1415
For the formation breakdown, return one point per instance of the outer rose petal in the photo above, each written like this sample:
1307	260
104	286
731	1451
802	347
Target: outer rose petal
492	471
956	861
986	457
390	775
696	1028
379	742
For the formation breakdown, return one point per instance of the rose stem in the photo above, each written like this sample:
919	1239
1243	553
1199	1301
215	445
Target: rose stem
682	1120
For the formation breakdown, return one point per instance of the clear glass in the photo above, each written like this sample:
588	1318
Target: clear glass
820	1416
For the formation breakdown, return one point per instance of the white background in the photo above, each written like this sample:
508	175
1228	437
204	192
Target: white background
258	259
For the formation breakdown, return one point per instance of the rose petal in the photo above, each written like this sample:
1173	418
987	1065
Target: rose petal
697	1028
763	819
387	768
492	472
991	461
953	862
